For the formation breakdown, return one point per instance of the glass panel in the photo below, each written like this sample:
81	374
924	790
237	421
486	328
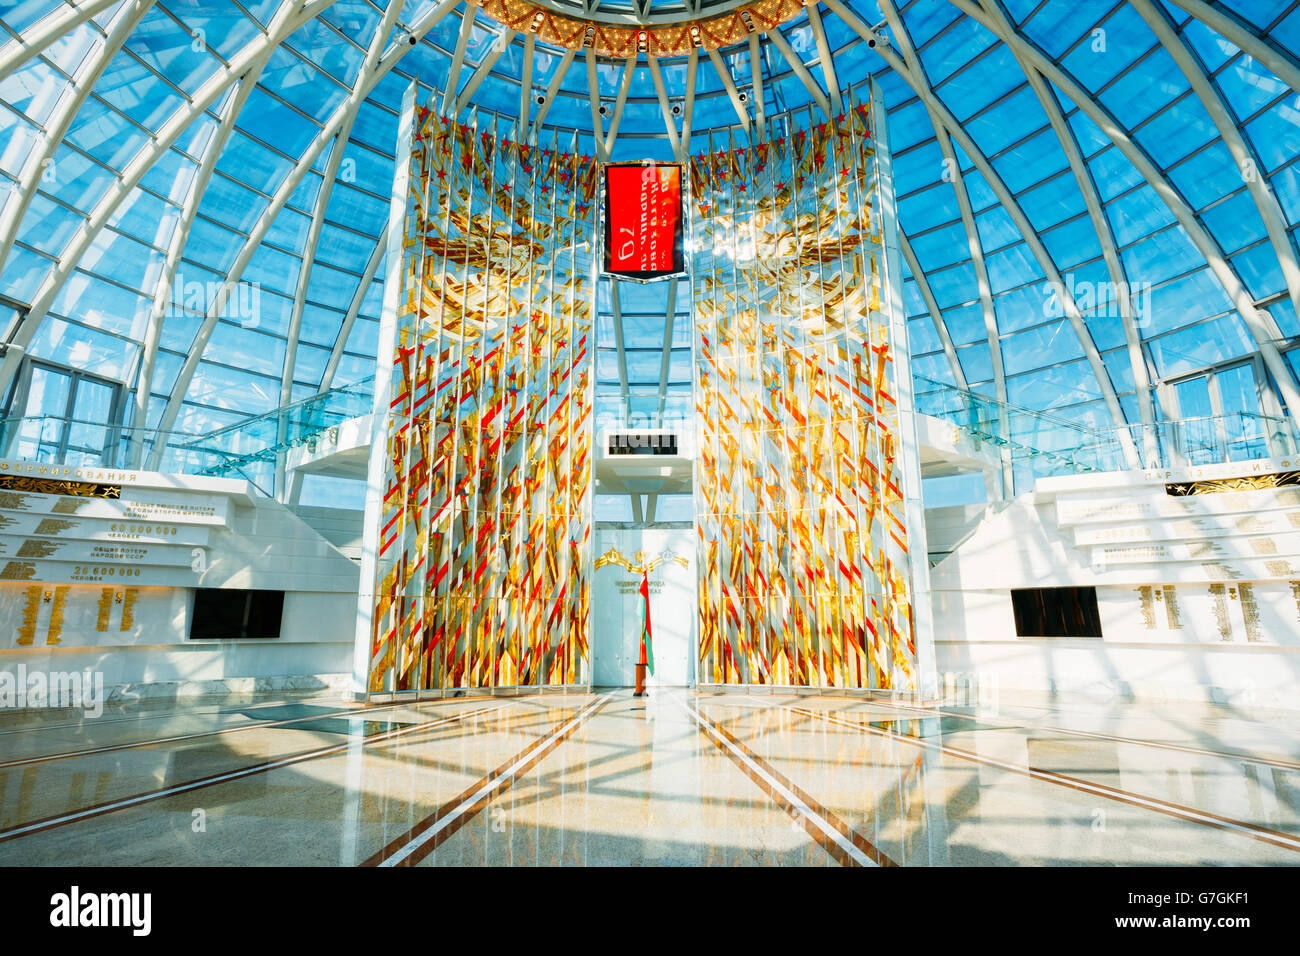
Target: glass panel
1194	397
39	438
1197	443
93	402
1239	397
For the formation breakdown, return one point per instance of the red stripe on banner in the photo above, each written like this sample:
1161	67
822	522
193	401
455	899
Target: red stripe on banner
557	607
437	574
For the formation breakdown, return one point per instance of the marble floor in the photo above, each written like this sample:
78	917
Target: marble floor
674	779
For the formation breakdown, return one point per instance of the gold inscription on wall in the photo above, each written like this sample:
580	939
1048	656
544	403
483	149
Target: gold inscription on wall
14	502
54	526
135	531
1172	611
128	609
117	552
633	585
56	616
104	607
18	571
1250	612
1219	592
148	510
1220	572
36	548
31	608
1148	608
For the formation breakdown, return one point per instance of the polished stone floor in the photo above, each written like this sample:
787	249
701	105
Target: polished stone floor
675	779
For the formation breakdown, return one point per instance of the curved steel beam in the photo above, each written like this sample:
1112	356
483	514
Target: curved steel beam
824	53
1013	208
665	360
661	94
973	243
593	96
688	111
756	84
83	81
458	57
285	21
525	89
1280	62
499	46
1105	238
1262	326
354	307
318	219
180	236
777	38
45	31
1242	153
729	84
932	306
365	82
552	91
620	103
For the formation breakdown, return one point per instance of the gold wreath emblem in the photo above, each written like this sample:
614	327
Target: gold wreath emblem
639	564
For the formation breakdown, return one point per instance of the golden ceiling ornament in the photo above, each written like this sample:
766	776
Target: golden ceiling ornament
623	42
639	563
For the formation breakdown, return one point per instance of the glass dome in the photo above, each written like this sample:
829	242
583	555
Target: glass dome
1098	201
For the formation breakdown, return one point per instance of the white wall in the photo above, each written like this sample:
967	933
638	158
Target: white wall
108	583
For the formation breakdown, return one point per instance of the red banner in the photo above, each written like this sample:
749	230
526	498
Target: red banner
643	219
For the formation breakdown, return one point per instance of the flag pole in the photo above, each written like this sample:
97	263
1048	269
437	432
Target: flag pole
646	659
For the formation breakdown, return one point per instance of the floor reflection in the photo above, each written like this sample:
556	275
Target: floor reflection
673	779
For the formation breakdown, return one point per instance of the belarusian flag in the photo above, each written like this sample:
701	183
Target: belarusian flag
647	653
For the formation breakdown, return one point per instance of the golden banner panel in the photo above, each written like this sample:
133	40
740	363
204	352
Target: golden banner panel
57	486
483	577
1212	486
803	564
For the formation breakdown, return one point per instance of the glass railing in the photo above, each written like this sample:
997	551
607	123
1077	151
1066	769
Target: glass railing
1241	436
1036	444
263	438
1040	444
246	450
1055	444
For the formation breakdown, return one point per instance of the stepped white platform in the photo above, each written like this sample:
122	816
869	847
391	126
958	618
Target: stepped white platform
99	569
1197	574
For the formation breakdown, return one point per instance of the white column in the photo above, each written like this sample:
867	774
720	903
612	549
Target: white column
383	397
913	509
